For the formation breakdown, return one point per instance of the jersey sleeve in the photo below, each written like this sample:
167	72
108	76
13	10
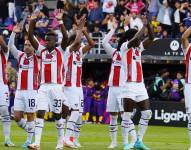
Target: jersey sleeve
107	47
40	48
12	48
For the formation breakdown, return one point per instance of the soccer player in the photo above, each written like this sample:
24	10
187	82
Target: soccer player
27	85
4	101
51	73
114	102
187	88
73	86
135	90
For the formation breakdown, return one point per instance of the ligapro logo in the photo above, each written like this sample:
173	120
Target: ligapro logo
168	116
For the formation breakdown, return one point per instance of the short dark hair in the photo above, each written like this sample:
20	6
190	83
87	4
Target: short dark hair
51	33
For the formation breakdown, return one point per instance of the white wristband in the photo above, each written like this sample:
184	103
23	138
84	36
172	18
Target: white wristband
60	22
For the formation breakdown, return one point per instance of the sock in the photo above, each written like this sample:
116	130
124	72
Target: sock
6	122
100	119
84	118
132	132
38	130
71	124
23	124
143	123
60	130
30	131
113	129
78	128
126	117
87	116
94	118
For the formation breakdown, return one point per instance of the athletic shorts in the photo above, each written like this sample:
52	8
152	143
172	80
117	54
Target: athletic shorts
135	91
25	100
114	100
51	97
75	97
4	95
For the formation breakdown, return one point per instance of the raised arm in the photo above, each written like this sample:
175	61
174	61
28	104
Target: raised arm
134	42
78	34
105	42
64	42
3	44
32	40
11	43
185	38
90	44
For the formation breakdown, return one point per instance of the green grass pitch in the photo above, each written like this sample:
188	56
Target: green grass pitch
96	137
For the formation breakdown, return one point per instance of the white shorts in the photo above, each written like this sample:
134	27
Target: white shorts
114	100
51	97
135	91
75	97
25	100
4	95
187	95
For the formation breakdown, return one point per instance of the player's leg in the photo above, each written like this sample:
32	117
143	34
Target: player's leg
132	131
65	113
126	120
60	129
30	109
42	106
113	106
146	115
6	120
78	125
30	130
71	126
77	130
73	102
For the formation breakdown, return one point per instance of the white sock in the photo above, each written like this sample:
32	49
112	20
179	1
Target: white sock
64	124
132	132
38	130
71	124
126	117
30	131
113	129
23	124
6	122
77	128
143	123
60	130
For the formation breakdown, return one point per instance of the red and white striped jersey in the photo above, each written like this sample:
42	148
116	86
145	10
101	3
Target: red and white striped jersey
28	74
188	64
116	76
73	67
51	64
131	59
3	62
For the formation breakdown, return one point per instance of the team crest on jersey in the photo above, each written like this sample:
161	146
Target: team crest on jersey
78	63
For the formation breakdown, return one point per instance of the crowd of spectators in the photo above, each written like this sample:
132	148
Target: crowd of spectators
169	18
